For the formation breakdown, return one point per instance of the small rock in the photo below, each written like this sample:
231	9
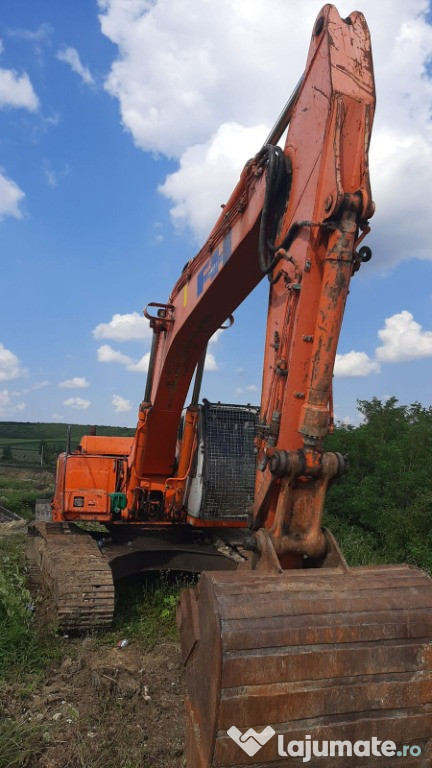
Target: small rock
57	716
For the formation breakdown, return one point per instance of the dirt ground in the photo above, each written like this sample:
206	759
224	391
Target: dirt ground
99	706
103	707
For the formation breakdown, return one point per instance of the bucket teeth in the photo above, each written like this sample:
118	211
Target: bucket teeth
332	655
73	574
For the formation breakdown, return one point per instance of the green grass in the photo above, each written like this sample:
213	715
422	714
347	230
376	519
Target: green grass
20	742
19	489
146	612
24	651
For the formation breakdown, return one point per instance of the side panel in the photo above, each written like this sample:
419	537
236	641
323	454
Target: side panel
83	487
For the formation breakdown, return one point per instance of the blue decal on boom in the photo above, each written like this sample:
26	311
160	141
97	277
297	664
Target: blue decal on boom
218	258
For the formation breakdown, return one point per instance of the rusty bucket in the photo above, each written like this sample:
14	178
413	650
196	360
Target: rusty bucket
322	654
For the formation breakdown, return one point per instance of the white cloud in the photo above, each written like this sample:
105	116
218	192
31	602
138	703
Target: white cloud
214	339
10	197
248	388
41	33
107	354
210	362
141	366
17	91
71	56
179	75
50	175
41	384
120	404
353	364
9	365
7	406
403	339
78	382
78	403
124	328
181	83
221	159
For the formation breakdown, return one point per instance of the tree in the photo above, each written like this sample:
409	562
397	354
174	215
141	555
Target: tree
382	509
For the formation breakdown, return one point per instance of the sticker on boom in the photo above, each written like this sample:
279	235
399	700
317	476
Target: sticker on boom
212	266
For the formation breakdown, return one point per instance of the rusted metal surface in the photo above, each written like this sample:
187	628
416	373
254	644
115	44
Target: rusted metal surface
74	575
330	653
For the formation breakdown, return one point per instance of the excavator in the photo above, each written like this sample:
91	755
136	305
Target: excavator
283	643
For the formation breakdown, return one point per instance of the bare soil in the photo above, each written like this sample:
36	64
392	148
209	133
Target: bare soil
105	706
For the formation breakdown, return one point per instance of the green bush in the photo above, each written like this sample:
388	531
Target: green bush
381	510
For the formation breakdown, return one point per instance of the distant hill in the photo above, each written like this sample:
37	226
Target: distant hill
27	443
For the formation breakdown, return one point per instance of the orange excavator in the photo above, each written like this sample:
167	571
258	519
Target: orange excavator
282	641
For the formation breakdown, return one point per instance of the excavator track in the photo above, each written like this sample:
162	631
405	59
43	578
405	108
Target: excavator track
75	577
320	653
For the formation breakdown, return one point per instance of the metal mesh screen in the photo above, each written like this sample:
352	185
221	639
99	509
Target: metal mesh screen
229	460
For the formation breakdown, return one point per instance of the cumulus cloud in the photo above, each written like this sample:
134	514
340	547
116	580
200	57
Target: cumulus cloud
210	362
9	365
403	339
10	197
78	403
71	56
353	364
17	91
121	405
220	159
181	84
78	382
107	354
141	366
124	328
7	406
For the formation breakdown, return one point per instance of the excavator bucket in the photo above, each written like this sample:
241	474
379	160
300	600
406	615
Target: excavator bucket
305	658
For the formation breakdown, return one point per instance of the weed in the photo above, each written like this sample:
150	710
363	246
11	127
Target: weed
23	650
146	611
20	742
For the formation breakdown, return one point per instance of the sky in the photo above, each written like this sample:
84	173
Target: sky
124	124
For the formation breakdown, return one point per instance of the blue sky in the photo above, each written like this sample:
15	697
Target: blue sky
123	126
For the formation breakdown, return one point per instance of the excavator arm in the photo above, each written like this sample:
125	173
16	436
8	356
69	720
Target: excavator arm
296	657
297	215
